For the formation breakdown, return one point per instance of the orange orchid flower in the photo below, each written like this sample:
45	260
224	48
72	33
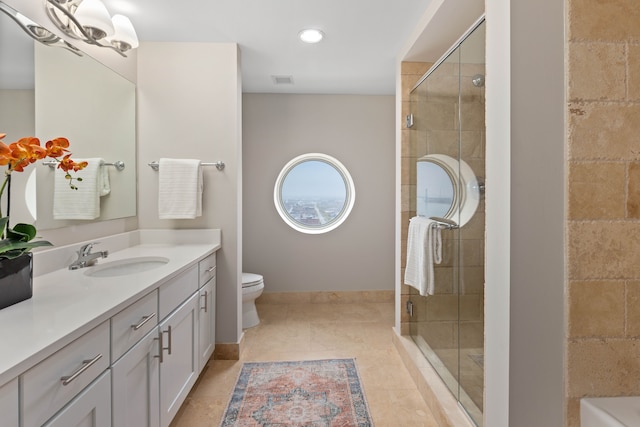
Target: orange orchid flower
66	164
57	147
5	153
24	152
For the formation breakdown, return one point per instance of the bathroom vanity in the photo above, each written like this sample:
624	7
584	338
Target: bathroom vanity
119	343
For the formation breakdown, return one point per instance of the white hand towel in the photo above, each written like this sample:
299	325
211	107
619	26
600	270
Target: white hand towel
424	249
180	189
83	203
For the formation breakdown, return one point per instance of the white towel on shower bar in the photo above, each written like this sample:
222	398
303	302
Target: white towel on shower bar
424	249
180	189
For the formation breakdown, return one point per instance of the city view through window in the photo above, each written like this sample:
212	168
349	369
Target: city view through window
313	193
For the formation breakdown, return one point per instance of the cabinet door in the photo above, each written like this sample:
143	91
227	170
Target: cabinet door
91	408
135	385
207	323
9	403
179	363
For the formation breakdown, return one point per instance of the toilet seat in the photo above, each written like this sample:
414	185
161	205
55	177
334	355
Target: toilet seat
250	279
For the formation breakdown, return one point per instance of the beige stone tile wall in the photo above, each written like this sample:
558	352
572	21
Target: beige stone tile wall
603	206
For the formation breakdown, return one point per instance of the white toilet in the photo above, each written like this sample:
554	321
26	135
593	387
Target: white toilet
252	287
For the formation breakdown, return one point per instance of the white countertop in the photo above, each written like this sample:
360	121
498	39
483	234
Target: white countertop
67	303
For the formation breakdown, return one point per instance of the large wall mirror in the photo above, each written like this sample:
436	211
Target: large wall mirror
49	92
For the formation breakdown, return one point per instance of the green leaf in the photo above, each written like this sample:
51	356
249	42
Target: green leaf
18	239
26	230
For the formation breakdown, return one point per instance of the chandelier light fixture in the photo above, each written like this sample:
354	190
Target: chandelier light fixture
89	21
37	32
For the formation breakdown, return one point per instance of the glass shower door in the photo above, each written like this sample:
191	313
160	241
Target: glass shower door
471	268
448	325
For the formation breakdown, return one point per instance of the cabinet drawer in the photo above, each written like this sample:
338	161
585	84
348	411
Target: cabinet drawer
80	362
207	268
132	324
177	290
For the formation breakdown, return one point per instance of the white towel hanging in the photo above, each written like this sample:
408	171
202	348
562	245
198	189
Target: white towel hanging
83	203
424	249
180	186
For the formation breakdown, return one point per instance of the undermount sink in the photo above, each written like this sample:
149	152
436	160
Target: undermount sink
127	266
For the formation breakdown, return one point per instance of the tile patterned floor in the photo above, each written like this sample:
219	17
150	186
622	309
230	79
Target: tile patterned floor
318	331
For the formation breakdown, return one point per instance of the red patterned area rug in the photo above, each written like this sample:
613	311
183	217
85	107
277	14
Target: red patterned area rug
314	393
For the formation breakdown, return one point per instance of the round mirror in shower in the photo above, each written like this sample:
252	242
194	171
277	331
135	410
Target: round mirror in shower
314	193
446	188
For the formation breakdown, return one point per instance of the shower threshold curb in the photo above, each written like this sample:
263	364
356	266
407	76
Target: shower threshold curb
443	405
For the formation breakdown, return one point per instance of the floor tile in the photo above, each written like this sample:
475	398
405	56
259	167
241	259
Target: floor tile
305	331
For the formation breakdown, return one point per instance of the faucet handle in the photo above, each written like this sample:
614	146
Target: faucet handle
86	249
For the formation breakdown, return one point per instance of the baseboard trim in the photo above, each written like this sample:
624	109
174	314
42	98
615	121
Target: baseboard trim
229	351
335	297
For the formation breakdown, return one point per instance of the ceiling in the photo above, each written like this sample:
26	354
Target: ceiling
357	56
362	38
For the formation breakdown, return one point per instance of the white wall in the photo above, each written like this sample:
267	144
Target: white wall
189	106
359	132
537	266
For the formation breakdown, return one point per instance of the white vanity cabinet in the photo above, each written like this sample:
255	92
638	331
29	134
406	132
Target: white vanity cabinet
136	367
91	408
9	403
179	363
207	321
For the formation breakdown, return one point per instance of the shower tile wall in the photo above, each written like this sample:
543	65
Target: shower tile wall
603	231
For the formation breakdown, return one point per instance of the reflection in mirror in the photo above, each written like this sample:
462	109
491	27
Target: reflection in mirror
75	97
314	193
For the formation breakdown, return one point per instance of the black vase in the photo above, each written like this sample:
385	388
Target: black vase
16	280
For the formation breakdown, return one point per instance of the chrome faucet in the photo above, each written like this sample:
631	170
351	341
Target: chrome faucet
86	258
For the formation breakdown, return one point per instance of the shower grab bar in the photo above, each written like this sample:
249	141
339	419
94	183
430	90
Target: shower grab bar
219	165
445	223
118	164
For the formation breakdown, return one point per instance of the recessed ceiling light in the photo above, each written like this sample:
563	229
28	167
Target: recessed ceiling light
311	35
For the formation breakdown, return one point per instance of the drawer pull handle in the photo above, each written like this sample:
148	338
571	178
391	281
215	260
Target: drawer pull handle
86	364
210	269
169	334
206	301
144	320
162	347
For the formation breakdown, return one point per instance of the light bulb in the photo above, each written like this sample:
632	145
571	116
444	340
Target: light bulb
95	19
125	36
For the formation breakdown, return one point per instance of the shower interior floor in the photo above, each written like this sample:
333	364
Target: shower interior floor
305	331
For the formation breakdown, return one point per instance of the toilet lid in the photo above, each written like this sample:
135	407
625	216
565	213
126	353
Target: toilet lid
250	279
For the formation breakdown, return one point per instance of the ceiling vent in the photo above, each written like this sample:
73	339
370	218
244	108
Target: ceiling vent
282	80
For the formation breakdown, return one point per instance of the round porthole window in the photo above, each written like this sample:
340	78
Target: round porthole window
314	193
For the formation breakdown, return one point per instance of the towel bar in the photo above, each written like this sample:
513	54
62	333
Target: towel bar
219	165
119	164
445	223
